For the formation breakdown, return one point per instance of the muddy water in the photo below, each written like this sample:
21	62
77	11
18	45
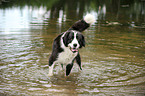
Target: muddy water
113	60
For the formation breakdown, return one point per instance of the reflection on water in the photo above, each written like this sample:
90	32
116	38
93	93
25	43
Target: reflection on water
113	60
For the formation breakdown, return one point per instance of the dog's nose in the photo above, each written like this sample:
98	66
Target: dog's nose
75	45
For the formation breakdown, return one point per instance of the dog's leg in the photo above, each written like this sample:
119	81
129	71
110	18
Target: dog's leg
51	70
68	68
61	66
78	61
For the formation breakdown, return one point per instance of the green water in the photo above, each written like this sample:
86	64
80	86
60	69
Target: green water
113	60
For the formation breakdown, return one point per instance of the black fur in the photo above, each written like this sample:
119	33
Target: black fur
65	39
81	39
69	37
69	66
78	60
80	26
56	50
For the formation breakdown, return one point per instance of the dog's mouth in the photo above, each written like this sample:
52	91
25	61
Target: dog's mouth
74	50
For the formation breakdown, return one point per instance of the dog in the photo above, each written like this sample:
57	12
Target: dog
66	45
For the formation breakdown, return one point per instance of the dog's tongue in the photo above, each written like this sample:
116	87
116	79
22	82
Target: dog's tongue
74	50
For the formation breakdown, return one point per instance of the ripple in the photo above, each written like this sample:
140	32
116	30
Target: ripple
34	89
113	61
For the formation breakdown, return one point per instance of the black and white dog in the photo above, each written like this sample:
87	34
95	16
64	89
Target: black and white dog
66	45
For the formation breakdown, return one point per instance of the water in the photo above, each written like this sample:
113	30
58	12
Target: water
113	60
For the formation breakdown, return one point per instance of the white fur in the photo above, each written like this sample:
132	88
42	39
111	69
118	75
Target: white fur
51	70
75	41
66	56
89	19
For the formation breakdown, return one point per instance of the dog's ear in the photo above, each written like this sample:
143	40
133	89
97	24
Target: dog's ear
82	41
65	39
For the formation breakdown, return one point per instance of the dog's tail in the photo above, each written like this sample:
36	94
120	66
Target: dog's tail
83	24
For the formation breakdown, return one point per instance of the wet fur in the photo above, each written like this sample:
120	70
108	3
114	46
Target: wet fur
61	53
66	45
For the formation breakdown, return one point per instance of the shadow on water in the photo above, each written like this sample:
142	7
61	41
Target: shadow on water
113	61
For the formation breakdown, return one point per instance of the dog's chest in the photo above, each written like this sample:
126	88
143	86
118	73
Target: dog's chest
66	56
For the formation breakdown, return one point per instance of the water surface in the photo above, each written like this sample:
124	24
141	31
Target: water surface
113	60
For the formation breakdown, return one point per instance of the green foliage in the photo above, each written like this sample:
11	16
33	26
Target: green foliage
31	3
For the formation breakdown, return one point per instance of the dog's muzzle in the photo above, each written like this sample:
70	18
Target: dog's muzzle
74	49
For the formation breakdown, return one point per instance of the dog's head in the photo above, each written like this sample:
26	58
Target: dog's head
74	40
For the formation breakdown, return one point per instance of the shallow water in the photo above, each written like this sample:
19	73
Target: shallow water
113	60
